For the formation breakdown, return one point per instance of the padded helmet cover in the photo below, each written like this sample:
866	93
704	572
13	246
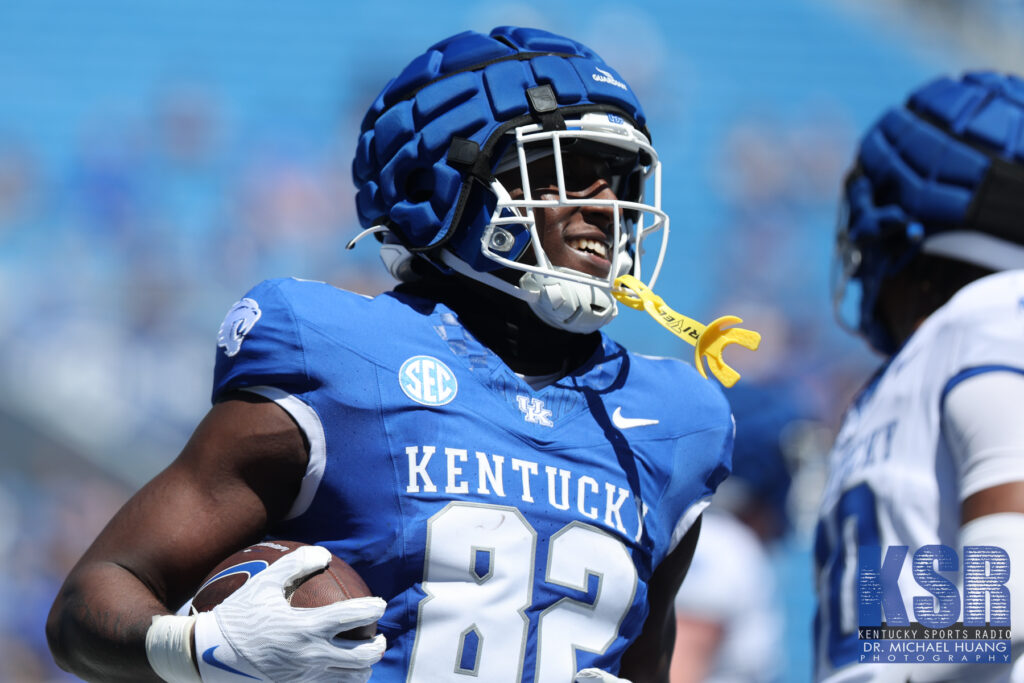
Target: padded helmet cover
467	89
942	174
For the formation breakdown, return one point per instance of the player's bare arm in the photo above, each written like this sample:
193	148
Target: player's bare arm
1003	498
648	658
238	472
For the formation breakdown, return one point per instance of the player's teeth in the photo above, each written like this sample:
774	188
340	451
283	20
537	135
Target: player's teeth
593	246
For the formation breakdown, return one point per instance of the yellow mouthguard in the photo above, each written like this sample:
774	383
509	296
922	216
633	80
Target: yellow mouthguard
708	340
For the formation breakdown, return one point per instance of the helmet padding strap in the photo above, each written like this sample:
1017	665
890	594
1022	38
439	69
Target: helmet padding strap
544	105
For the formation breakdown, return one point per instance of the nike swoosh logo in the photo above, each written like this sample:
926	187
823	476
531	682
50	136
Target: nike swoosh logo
250	569
212	660
630	422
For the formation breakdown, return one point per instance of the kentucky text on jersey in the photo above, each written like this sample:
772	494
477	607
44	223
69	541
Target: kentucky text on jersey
855	454
557	487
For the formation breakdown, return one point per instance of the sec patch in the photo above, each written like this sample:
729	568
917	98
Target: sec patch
428	381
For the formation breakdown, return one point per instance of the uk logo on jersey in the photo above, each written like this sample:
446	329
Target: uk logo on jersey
534	410
428	381
238	322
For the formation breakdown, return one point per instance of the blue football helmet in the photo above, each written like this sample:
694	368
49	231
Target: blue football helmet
941	175
474	107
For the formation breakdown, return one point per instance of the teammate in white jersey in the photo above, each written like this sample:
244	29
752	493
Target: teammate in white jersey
931	453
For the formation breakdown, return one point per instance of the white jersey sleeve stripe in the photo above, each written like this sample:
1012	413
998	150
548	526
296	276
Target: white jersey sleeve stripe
685	522
968	373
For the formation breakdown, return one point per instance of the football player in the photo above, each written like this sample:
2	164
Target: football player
931	452
521	492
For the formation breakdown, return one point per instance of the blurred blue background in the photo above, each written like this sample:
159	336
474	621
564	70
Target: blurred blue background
159	158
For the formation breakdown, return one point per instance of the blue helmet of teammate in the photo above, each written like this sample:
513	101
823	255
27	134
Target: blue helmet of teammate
941	175
474	107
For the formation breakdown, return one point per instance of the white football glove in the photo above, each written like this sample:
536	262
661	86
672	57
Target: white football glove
597	676
255	634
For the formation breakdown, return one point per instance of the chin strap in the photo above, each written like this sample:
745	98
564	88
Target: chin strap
708	340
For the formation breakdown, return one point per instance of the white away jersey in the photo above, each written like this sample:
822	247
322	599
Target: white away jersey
513	532
893	479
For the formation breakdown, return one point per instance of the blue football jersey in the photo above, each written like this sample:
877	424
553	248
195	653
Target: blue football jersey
513	532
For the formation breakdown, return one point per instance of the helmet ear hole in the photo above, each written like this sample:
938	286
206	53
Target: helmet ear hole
886	193
419	185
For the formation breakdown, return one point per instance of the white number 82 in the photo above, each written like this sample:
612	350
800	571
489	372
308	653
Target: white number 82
478	577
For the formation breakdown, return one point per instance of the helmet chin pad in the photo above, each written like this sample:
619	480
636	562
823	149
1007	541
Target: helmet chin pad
567	305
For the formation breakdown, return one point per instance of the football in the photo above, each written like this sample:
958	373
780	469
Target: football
337	582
